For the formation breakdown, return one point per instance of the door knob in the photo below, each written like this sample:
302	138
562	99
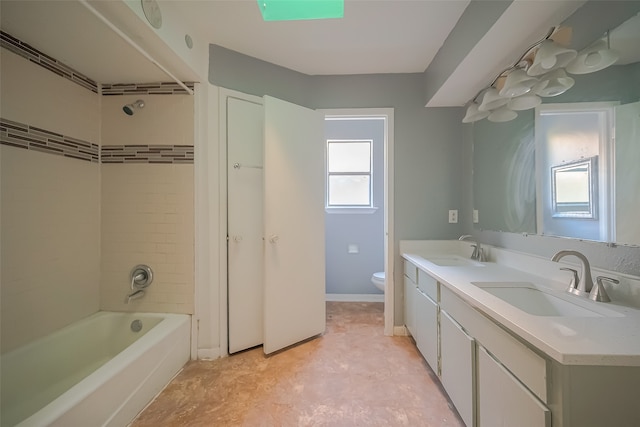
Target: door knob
274	238
237	239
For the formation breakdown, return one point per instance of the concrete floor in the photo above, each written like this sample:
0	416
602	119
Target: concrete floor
352	375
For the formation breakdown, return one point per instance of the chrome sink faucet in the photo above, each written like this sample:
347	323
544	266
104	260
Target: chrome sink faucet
478	252
579	285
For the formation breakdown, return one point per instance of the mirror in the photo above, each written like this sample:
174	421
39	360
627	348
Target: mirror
505	160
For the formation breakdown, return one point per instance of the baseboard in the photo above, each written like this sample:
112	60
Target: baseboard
355	297
400	331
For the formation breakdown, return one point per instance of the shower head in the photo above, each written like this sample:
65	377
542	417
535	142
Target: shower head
129	108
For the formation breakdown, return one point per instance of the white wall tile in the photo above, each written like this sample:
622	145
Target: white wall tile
35	96
146	221
50	243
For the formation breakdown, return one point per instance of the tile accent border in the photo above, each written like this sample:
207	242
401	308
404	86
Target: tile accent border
34	55
147	154
160	88
20	135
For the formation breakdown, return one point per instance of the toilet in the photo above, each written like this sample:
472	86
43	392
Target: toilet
378	280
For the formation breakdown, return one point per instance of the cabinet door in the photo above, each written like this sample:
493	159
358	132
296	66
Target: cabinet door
457	350
503	400
410	291
427	329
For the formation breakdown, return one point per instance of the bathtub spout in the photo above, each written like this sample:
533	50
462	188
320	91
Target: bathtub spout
134	295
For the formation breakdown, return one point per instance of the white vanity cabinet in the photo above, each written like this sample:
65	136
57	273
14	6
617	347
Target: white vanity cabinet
410	296
457	360
509	383
501	368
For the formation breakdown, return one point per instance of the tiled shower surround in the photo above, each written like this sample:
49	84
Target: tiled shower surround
22	135
87	193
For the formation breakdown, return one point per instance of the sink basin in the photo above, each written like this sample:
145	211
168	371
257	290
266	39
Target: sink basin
453	261
528	298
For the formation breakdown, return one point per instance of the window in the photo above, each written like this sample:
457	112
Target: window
349	173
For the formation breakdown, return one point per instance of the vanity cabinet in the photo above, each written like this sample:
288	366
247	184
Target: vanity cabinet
457	359
492	378
497	377
503	400
509	383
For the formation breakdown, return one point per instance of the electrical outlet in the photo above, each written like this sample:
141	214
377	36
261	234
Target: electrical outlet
453	216
475	216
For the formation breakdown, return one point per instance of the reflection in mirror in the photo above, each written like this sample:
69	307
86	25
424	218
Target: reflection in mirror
504	171
574	189
569	137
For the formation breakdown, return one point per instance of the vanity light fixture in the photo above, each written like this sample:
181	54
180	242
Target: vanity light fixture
518	83
541	71
524	102
550	56
502	114
492	100
555	83
594	58
474	114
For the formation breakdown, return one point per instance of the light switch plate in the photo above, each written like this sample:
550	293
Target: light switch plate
475	216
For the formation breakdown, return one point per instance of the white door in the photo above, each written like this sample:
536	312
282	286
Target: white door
245	222
294	299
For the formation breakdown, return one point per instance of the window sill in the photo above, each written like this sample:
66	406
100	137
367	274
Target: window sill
351	210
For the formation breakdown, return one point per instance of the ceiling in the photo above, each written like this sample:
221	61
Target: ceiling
374	37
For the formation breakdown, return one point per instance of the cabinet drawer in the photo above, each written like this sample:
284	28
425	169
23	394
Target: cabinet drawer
530	368
411	271
428	285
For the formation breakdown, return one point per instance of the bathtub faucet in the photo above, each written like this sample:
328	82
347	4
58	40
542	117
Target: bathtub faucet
134	295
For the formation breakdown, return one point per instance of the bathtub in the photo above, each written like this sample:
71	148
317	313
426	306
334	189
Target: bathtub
95	372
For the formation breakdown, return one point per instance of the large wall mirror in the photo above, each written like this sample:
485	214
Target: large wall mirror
569	167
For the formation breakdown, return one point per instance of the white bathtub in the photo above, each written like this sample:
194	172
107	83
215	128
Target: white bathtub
95	372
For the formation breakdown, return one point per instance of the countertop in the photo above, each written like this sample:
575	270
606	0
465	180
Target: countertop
610	340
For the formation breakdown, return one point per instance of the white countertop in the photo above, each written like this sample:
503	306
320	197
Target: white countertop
612	339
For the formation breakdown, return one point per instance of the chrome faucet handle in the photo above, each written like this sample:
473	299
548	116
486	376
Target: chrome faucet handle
574	281
478	252
599	293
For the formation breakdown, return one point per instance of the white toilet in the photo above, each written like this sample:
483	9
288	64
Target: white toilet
378	280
